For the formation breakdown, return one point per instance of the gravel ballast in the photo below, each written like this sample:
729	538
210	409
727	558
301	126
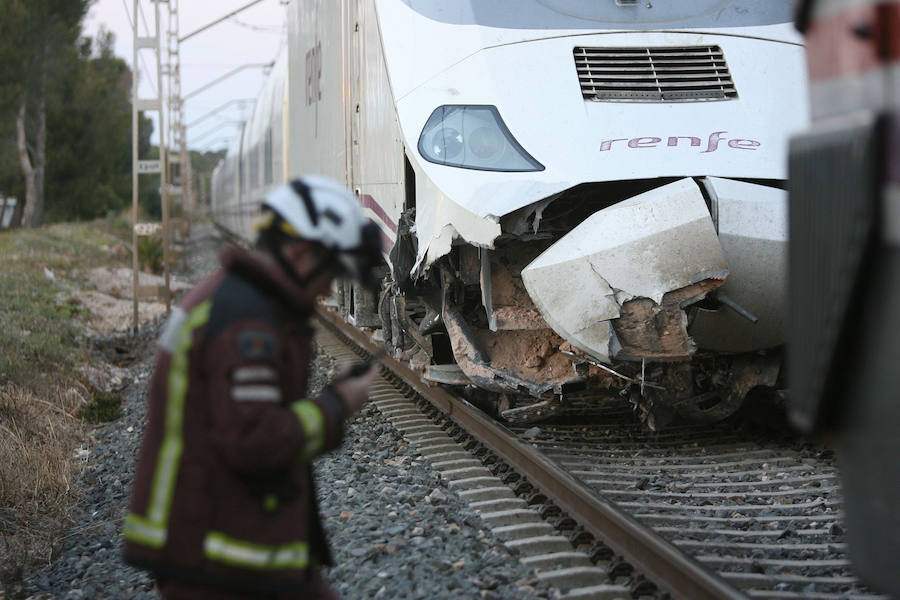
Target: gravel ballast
396	531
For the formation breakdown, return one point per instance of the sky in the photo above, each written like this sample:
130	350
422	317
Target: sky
253	36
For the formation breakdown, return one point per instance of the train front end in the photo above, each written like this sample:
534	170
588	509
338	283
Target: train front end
599	191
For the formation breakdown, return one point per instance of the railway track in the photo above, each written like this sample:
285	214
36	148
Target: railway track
604	509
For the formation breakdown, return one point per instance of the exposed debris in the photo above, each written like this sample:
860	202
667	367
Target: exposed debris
536	412
509	307
744	373
494	361
580	286
651	331
633	253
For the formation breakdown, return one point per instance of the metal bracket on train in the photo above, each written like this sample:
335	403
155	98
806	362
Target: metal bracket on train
746	373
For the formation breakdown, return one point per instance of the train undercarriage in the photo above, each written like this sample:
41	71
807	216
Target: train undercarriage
622	312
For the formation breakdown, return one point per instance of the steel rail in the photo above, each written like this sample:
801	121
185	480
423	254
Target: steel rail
665	565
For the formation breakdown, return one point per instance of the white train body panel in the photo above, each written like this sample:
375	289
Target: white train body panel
255	163
376	146
530	76
226	188
318	97
364	78
457	54
343	120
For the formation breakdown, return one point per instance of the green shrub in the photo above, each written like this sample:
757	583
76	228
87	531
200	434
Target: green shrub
102	408
150	253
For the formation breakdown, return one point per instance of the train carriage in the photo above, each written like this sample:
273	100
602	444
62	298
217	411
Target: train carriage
573	193
257	159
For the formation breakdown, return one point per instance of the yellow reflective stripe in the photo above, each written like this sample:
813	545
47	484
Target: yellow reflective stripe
313	422
263	221
140	530
289	229
238	553
151	530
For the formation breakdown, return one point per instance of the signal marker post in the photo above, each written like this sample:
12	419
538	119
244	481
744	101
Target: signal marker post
148	167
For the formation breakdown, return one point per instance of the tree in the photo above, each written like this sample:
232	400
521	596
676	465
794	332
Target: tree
204	163
11	183
89	133
34	36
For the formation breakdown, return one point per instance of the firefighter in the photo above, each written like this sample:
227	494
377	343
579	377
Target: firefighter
223	503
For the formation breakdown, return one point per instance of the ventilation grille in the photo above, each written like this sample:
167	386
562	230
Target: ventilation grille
654	74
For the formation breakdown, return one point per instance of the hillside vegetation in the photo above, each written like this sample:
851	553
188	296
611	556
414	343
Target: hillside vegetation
49	388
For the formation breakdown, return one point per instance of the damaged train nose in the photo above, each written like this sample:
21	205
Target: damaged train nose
616	285
624	287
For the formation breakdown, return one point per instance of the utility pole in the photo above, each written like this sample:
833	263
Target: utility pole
181	189
148	167
172	140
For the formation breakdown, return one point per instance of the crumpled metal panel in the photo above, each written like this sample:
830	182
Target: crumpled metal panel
644	247
440	220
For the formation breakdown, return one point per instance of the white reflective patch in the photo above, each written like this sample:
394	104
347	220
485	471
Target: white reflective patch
170	332
235	552
257	373
240	553
255	393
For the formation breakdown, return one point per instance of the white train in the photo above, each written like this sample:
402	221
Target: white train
573	192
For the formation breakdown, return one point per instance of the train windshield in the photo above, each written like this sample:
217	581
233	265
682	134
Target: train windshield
659	13
607	14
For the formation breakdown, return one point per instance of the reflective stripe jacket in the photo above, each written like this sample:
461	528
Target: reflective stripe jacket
223	491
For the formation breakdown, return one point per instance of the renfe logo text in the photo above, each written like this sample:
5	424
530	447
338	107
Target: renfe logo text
712	142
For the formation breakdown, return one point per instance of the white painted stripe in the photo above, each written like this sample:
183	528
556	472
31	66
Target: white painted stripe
256	373
255	393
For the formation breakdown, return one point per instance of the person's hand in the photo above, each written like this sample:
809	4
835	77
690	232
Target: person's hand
353	390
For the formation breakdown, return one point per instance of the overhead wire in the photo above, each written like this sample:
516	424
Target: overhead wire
141	56
260	28
280	30
143	60
128	14
147	69
143	16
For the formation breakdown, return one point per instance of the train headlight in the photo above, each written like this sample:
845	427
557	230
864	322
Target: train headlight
446	143
473	137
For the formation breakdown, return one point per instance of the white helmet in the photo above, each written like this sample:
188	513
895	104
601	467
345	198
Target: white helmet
319	209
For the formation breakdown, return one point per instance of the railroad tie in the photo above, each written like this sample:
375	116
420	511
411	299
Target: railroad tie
520	527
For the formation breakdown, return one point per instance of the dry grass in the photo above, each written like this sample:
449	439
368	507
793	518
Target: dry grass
43	390
39	439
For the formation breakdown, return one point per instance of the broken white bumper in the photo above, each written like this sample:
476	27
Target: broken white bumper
617	284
